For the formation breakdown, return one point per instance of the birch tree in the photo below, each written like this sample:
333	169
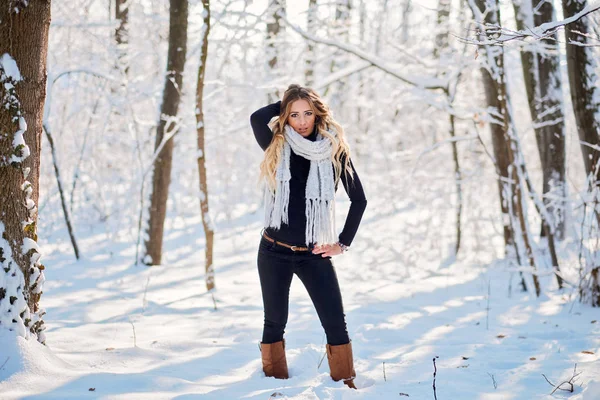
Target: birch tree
168	125
209	232
23	53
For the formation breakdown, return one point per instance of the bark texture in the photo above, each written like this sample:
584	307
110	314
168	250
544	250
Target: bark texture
584	87
209	232
23	54
541	73
167	128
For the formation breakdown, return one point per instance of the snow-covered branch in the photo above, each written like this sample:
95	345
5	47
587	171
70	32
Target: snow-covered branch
500	35
420	82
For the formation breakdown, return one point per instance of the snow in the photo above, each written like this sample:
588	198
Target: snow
12	280
9	65
29	244
182	346
10	74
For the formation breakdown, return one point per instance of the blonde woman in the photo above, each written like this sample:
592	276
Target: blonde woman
306	156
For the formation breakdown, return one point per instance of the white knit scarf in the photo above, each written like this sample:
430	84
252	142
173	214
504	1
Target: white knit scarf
320	187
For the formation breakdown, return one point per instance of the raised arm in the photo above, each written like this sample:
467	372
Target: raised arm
358	203
260	120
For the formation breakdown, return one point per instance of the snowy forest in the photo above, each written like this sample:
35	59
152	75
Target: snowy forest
131	209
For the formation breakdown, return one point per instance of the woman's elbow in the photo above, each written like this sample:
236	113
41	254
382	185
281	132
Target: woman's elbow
254	118
360	203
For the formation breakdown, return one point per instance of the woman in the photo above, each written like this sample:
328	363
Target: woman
306	155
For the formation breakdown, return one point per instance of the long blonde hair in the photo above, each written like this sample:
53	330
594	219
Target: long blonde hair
323	122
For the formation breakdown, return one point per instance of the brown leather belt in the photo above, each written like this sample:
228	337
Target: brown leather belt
289	246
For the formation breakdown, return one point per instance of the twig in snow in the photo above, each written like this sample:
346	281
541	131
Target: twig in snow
144	302
7	358
325	352
434	374
487	309
322	358
134	338
569	382
214	301
493	380
384	378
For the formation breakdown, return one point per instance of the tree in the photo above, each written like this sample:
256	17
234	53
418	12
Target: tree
310	53
508	160
585	93
585	97
441	51
209	231
341	30
586	105
541	72
23	52
168	126
443	26
121	32
407	9
274	30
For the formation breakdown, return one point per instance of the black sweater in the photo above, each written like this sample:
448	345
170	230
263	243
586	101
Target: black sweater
293	233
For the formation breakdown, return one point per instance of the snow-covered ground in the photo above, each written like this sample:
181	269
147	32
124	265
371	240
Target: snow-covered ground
118	331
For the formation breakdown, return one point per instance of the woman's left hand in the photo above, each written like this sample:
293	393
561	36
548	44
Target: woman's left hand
328	250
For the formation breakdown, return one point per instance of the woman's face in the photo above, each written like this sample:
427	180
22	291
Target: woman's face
302	117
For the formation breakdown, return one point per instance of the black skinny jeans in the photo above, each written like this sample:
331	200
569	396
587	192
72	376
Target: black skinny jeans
276	267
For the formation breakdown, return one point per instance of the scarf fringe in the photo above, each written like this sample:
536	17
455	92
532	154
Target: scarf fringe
320	221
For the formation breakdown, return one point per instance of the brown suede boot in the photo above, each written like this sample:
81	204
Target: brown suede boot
273	359
341	364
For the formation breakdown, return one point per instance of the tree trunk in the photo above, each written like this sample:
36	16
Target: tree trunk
504	140
341	31
310	53
168	126
499	146
543	83
585	97
121	33
584	87
23	54
443	28
209	232
274	28
440	50
407	9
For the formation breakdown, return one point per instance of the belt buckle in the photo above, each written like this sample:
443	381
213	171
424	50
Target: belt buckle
293	248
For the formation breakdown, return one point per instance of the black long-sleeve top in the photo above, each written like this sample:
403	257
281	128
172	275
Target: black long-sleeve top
294	231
